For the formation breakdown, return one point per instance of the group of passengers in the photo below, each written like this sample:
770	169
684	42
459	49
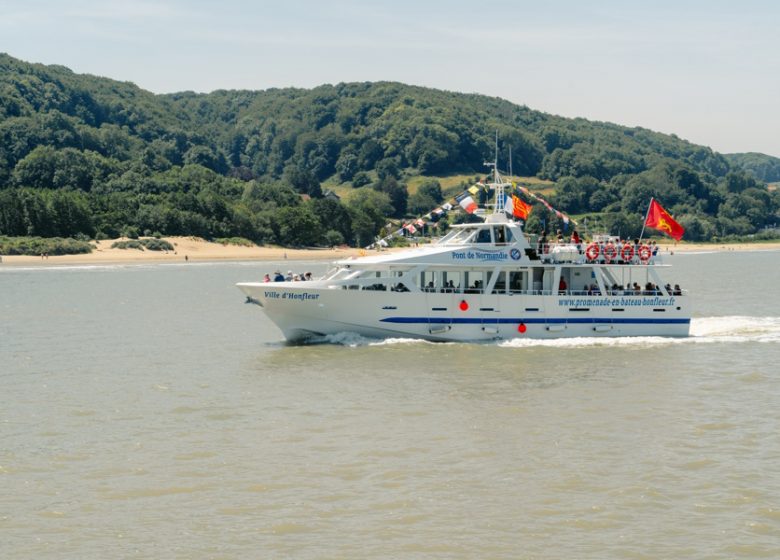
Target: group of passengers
650	289
290	277
449	287
631	289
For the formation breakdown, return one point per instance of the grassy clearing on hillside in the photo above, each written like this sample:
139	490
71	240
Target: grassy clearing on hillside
451	185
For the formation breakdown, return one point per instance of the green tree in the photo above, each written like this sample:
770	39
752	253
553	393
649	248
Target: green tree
397	194
298	226
368	209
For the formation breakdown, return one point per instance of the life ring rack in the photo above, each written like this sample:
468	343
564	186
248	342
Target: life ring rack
610	252
592	252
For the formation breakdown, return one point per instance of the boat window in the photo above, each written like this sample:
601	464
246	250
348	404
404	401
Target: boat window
500	285
428	281
475	282
483	236
499	233
517	281
400	287
444	240
450	281
509	237
460	236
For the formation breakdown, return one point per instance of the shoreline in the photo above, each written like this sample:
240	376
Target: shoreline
188	249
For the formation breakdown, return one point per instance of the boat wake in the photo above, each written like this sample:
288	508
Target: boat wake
354	340
704	330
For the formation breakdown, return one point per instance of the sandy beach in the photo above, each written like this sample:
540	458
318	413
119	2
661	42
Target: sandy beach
195	249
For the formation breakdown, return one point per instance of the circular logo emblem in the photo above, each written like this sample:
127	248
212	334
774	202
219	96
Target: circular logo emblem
515	254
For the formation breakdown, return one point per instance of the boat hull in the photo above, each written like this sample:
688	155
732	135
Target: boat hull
304	310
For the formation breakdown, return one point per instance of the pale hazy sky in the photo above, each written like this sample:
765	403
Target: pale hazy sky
708	71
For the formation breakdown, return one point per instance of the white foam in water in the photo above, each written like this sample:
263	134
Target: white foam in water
581	342
343	339
736	329
396	341
354	340
704	330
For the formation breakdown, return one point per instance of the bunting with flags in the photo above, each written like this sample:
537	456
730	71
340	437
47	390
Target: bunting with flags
514	205
467	203
539	198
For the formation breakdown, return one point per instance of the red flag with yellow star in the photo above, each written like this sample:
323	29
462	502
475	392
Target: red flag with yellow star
658	218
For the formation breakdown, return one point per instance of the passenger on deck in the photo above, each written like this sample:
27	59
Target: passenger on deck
562	286
475	288
541	246
677	290
278	276
267	278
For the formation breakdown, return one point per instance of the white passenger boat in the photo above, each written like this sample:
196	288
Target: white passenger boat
484	281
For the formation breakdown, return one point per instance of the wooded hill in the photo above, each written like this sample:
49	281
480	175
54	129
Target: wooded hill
763	167
87	156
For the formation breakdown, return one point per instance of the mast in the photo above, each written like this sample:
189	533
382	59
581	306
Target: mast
498	184
645	220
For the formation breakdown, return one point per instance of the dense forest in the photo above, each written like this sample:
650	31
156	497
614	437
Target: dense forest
89	157
762	167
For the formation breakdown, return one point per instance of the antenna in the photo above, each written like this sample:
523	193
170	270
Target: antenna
495	167
497	185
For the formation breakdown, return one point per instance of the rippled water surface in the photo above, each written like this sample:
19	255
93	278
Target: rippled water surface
147	412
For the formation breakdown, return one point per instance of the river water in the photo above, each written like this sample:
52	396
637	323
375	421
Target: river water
147	412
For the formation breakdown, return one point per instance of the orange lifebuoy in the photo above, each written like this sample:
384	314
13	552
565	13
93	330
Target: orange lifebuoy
627	253
610	252
645	253
592	252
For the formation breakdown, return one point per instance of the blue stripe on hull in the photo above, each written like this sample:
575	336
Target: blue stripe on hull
573	320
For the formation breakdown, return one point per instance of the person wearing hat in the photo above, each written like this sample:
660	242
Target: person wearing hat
289	276
278	277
